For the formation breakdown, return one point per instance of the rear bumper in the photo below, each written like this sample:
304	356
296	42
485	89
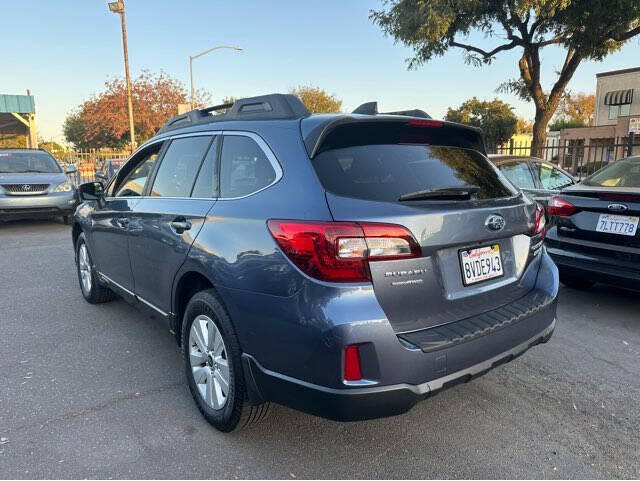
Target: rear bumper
51	204
594	261
369	402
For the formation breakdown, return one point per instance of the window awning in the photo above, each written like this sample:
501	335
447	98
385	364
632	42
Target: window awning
618	97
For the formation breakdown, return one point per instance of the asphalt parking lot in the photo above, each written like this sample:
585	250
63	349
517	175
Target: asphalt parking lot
99	392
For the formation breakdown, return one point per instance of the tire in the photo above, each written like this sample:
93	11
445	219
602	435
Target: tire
575	282
66	219
92	290
206	362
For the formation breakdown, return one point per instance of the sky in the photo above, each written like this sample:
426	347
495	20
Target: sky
64	50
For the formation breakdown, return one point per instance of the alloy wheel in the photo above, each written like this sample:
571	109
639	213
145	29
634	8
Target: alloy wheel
209	362
84	265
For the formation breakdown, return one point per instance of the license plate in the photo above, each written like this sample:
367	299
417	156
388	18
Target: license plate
617	224
480	264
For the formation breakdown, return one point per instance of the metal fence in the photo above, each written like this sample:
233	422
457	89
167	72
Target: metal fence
575	156
88	161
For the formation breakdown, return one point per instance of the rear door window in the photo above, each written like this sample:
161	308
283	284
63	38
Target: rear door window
519	174
386	172
244	167
206	185
179	167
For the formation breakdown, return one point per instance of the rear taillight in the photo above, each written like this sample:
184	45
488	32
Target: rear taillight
341	251
352	369
560	207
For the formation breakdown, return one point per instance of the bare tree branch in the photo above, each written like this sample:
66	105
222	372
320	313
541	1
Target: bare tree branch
484	53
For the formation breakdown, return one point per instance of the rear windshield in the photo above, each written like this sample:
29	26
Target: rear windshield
386	172
623	173
19	162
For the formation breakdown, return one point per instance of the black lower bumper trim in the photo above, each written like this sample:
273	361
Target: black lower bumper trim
356	404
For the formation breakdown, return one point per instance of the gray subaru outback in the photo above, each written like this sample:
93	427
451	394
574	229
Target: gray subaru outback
347	265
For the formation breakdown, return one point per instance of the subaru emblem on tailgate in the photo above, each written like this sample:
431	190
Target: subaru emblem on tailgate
617	207
495	222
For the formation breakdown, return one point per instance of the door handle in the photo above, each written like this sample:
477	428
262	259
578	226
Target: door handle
179	226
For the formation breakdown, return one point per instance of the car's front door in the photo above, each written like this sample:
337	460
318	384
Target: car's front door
110	226
520	175
168	218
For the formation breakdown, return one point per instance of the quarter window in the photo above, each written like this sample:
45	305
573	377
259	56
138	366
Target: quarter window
244	167
179	167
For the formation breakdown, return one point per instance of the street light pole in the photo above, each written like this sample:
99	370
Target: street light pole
118	7
193	57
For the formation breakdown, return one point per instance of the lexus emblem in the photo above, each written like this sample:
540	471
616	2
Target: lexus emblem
617	207
495	222
26	187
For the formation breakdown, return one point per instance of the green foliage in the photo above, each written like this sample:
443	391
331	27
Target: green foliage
585	29
495	118
563	123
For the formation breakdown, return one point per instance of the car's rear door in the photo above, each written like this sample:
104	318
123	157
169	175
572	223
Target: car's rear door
168	218
549	179
367	170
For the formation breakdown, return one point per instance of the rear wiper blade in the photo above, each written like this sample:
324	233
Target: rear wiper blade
458	191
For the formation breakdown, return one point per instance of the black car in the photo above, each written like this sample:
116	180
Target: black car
540	179
595	237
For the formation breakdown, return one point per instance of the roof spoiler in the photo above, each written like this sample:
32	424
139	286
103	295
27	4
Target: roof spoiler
264	107
371	108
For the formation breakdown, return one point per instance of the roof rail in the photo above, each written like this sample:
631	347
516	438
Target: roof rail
371	108
264	107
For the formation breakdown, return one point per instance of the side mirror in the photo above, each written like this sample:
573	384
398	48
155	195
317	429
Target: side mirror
91	191
71	169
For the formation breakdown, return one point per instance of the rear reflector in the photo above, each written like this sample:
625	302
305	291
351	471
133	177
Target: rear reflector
352	370
341	251
541	221
560	207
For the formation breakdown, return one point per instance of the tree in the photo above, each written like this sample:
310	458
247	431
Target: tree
495	118
585	29
563	123
103	120
523	126
317	100
578	106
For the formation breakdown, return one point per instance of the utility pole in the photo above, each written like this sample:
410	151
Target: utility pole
118	7
193	57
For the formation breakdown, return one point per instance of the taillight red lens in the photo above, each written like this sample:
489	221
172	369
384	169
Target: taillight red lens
352	369
560	207
341	251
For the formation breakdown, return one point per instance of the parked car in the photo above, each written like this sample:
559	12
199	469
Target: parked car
595	237
110	167
32	184
540	179
344	265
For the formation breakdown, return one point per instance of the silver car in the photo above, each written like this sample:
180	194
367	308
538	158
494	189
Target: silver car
32	184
